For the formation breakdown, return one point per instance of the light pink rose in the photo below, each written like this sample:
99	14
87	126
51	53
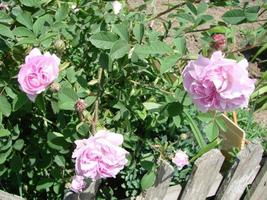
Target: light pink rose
218	83
180	159
100	156
38	72
78	184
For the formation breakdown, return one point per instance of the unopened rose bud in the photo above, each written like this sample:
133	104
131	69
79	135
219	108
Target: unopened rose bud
219	41
183	136
55	87
60	45
80	105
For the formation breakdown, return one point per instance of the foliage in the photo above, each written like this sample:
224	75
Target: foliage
129	77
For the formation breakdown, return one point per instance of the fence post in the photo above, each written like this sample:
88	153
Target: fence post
242	173
204	174
259	187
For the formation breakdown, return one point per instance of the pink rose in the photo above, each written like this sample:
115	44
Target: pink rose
38	72
218	83
180	159
100	156
78	184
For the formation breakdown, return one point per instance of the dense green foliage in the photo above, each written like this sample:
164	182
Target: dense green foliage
127	73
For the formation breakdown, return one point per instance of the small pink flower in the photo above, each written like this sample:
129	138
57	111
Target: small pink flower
218	83
78	184
100	156
180	159
38	72
219	41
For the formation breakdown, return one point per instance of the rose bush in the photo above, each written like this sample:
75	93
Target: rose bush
110	67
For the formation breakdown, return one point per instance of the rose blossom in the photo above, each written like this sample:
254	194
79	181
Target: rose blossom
117	6
100	156
78	184
38	72
180	159
218	83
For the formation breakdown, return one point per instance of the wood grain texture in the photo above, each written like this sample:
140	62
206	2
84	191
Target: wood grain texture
258	189
204	174
242	173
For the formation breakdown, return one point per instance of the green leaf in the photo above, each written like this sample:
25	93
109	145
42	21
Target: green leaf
121	30
5	18
26	41
177	121
202	7
62	12
138	32
67	98
18	144
168	62
235	16
180	44
151	105
83	129
192	8
4	132
38	25
103	40
19	101
212	131
60	160
31	3
251	13
218	29
185	17
205	117
5	31
25	19
148	180
119	49
155	47
21	31
56	141
4	155
5	107
44	184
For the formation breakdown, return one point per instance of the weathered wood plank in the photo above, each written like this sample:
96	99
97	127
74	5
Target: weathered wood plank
241	173
205	172
163	179
173	192
7	196
258	189
215	185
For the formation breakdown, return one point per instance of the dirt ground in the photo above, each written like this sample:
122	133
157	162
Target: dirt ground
193	39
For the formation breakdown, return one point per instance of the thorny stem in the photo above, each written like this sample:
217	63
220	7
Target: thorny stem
96	108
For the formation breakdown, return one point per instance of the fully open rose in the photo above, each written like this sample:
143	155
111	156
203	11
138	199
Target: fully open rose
218	83
100	156
38	72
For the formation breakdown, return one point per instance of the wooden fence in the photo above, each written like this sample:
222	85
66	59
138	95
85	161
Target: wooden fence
210	179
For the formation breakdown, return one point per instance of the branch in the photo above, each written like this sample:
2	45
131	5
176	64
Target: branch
167	11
